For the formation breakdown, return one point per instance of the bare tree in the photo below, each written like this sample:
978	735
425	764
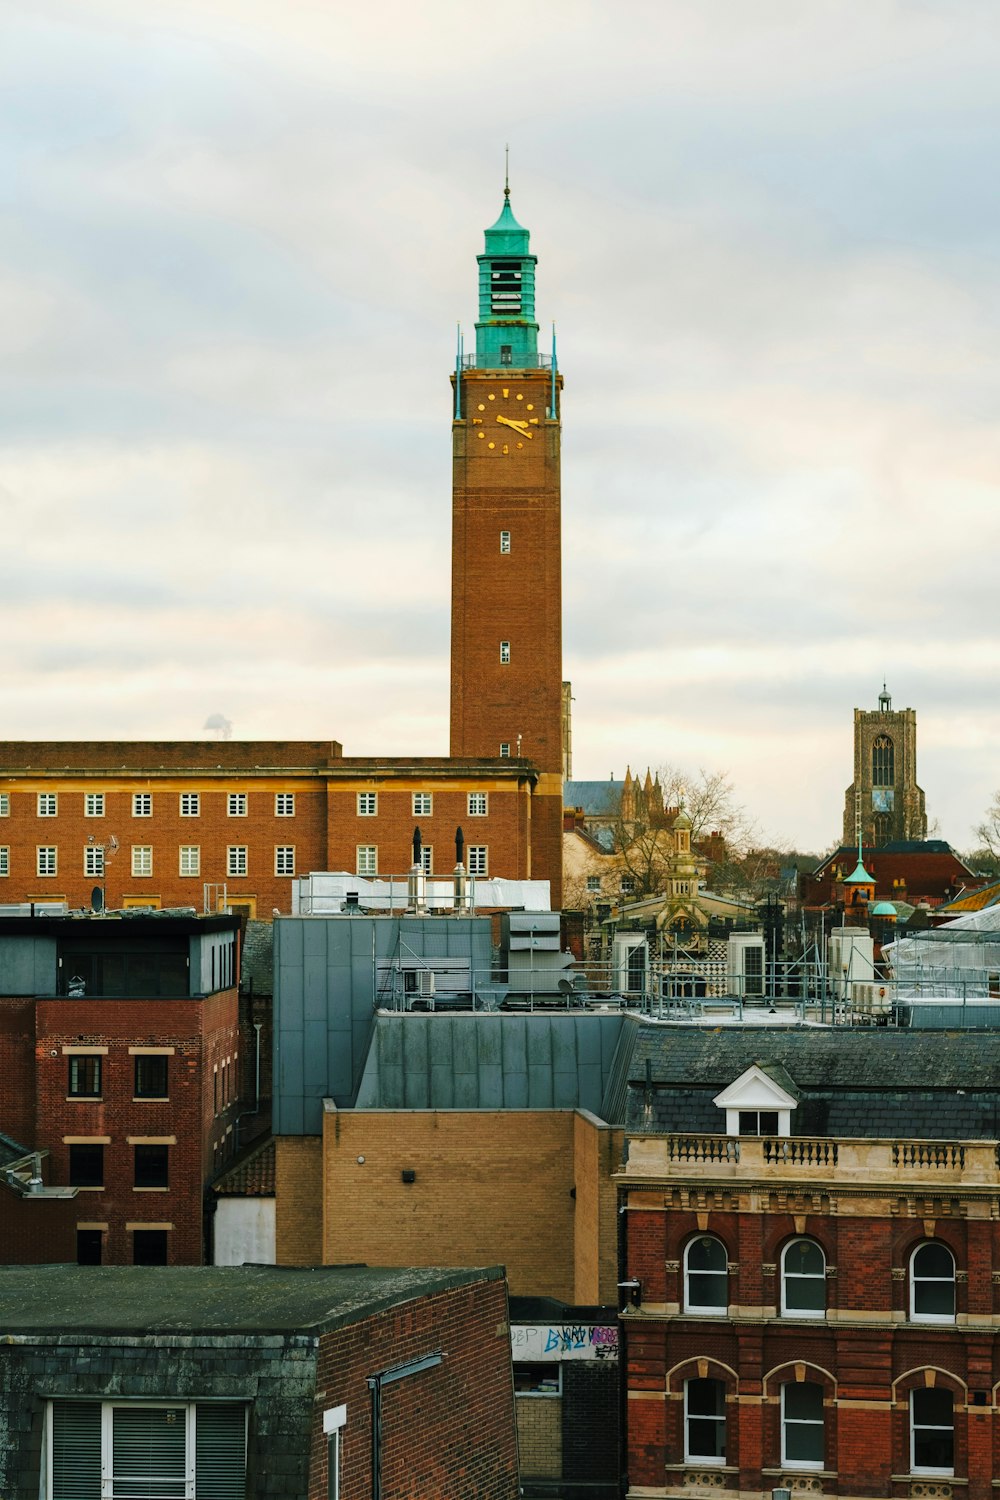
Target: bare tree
709	799
988	831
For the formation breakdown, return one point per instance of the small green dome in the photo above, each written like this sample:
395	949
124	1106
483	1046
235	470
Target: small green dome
883	909
860	876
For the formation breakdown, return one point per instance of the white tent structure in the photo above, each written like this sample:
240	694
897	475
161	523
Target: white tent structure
960	960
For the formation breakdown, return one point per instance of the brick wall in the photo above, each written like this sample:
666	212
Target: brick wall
298	1187
194	1121
504	482
865	1353
490	1185
539	1436
324	831
447	1431
598	1153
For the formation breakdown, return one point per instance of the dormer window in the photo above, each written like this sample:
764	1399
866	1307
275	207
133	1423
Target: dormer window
759	1102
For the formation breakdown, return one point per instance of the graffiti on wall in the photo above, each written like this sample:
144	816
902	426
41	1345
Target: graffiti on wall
558	1341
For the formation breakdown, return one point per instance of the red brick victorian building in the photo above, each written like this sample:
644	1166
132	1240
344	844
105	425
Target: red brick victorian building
811	1257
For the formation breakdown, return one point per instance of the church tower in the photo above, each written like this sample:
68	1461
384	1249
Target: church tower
884	802
506	591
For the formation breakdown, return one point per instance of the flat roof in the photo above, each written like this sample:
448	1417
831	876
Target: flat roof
156	1300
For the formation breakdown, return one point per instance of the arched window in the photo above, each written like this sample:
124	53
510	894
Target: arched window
882	823
932	1431
706	1276
803	1439
932	1283
705	1421
803	1280
883	761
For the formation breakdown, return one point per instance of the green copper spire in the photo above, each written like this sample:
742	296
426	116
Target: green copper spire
506	332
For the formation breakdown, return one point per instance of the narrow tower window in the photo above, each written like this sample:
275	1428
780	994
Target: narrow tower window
505	653
505	541
883	761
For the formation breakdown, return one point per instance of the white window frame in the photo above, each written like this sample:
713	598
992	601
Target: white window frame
367	804
478	860
142	861
914	1280
48	804
427	858
787	1275
284	859
755	1092
916	1468
236	804
505	653
478	805
108	1407
93	804
4	804
237	861
593	885
786	1422
284	804
47	859
142	804
703	1458
423	804
93	861
504	543
699	1309
189	804
366	860
4	859
189	855
505	749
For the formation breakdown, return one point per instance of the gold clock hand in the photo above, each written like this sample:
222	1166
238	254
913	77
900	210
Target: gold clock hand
521	428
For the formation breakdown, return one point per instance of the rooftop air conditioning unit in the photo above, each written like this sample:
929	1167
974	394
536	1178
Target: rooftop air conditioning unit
425	984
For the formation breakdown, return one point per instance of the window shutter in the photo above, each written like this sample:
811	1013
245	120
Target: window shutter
221	1451
76	1450
149	1451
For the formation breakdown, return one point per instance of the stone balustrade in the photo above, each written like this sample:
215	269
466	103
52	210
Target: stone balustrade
935	1165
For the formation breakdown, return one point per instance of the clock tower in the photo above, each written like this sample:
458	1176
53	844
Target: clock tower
506	596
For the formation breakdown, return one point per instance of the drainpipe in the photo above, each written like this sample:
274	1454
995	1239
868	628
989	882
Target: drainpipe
257	1025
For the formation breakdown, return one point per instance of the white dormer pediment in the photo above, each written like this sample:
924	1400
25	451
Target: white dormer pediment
755	1089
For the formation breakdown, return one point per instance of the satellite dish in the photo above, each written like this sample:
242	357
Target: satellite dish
97	899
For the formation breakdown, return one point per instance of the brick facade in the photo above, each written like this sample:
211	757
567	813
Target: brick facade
867	1352
261	807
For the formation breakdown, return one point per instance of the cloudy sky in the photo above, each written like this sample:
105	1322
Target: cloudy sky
235	240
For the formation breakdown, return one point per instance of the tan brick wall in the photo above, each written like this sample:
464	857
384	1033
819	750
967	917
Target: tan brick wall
539	1436
298	1177
491	1187
598	1153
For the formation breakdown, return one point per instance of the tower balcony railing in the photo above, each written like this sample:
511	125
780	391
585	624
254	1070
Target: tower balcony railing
535	362
927	1164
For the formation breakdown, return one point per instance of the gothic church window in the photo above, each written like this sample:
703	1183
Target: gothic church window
883	761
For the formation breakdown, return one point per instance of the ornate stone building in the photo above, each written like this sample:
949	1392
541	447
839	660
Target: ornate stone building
884	790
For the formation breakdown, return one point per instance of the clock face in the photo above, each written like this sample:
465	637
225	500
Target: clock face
505	421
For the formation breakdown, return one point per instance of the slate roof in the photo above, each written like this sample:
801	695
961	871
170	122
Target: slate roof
597	798
257	959
154	1300
852	1082
10	1151
971	901
253	1177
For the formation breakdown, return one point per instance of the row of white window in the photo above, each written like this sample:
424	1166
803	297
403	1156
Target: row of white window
932	1280
803	1426
142	804
477	859
237	860
189	860
477	804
